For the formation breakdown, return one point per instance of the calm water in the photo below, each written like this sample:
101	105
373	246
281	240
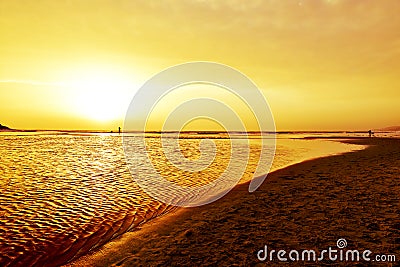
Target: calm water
64	194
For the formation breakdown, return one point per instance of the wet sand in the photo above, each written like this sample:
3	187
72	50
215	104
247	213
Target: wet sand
309	205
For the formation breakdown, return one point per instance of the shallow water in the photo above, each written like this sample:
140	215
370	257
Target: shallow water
63	195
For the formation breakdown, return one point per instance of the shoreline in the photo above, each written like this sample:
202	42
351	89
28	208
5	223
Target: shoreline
328	193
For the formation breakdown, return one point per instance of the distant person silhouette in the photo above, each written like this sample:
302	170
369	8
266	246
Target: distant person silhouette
119	129
370	133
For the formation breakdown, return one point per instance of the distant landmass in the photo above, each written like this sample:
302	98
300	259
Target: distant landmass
2	127
391	128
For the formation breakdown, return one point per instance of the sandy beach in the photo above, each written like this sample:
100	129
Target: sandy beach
310	205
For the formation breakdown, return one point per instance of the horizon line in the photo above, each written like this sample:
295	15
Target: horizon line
188	131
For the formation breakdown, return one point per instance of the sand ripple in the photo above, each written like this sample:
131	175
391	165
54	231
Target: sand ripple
63	195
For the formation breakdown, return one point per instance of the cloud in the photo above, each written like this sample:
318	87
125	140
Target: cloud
31	82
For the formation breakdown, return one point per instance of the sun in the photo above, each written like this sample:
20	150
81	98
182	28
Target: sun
101	95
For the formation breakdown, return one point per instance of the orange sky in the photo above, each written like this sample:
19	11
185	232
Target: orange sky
322	65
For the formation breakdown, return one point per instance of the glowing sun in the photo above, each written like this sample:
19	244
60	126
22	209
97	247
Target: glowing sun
102	96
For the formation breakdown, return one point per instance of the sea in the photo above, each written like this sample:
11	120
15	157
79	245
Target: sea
64	194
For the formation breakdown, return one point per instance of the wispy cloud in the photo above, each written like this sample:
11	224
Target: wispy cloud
33	82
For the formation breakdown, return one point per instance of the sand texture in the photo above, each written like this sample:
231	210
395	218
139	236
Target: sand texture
309	205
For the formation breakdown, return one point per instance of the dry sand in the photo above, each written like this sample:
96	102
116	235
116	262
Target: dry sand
309	205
